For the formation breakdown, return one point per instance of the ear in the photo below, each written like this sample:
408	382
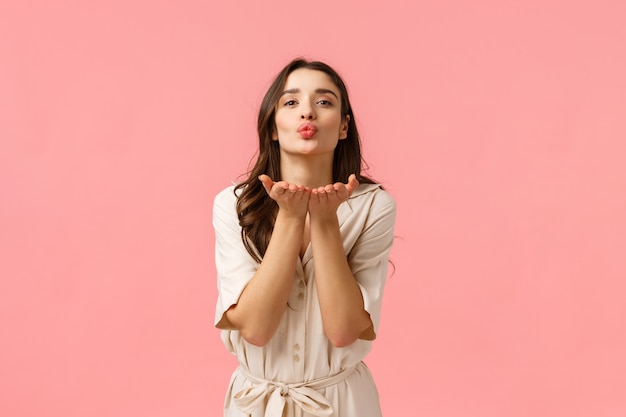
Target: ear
343	131
274	135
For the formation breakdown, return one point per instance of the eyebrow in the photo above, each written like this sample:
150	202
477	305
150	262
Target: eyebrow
318	91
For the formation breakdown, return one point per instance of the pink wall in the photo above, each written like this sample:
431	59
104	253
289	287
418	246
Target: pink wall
498	126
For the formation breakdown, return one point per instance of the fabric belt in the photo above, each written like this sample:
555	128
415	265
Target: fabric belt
303	394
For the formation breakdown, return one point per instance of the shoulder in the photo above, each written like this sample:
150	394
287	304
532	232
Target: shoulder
370	204
225	203
227	196
373	195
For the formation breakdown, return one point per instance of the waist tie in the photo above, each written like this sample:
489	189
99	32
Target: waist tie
303	394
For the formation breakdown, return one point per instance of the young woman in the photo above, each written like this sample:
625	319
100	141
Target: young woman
302	248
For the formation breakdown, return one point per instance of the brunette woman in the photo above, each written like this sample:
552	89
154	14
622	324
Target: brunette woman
302	248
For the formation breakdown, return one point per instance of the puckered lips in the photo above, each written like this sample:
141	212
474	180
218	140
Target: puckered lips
307	130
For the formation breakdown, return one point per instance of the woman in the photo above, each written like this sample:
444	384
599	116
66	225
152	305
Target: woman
302	249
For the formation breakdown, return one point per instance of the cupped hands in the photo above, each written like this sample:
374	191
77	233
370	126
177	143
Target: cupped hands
297	199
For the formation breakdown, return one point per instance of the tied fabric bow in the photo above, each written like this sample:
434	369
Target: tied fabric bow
303	394
307	399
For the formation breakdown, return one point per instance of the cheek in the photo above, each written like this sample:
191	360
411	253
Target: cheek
280	121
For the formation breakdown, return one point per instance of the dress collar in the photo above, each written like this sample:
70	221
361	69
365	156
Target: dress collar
345	209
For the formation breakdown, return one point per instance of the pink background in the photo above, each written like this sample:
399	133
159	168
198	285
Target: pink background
498	126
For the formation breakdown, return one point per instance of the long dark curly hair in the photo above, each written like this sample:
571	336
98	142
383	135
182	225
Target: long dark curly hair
255	209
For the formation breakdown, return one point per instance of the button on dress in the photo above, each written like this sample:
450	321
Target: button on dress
299	371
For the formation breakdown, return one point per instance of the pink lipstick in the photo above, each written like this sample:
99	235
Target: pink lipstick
307	130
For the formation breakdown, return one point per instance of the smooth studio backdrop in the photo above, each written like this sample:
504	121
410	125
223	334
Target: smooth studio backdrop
498	126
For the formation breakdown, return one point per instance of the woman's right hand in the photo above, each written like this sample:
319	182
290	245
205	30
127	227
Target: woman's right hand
292	199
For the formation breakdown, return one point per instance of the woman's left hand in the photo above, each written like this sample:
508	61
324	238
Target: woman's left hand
324	201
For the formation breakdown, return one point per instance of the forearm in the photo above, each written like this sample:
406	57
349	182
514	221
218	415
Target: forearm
340	298
262	303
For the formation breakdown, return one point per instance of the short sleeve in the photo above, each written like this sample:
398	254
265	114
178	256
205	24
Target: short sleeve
235	267
369	257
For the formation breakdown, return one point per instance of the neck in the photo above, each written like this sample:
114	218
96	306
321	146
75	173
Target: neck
309	171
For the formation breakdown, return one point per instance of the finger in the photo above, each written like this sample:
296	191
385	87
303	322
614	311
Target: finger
352	184
322	197
342	192
303	194
267	182
281	186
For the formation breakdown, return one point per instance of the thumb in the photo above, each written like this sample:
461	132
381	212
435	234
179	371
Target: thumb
267	182
353	183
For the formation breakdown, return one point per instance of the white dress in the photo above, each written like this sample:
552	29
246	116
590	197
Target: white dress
299	372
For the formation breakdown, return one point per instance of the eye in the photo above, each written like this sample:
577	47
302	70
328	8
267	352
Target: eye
290	103
325	102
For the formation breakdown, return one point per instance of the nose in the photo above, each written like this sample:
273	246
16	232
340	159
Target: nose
307	112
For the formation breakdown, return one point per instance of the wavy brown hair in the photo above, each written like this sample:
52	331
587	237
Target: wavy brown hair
255	209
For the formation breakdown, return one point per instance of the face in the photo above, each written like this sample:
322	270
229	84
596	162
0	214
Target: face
308	115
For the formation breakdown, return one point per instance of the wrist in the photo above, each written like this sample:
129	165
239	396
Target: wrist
324	219
290	217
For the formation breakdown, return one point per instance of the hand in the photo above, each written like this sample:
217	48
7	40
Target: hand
324	201
293	199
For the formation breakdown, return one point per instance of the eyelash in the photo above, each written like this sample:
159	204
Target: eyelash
290	103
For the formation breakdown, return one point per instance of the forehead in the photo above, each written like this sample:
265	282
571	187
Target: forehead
309	80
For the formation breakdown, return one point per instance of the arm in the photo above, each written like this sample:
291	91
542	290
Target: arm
341	302
264	299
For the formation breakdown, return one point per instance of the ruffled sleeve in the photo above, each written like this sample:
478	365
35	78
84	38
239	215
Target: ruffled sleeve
235	267
369	257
